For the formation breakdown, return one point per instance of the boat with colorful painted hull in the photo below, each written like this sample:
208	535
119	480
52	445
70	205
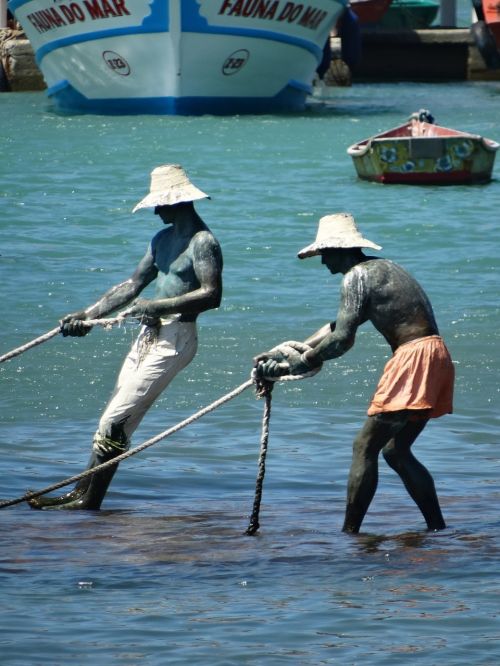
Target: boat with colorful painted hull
178	56
421	152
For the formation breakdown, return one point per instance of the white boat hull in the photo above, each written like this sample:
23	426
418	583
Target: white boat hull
173	56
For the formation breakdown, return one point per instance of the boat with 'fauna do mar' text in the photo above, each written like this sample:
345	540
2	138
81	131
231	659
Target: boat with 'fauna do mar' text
178	56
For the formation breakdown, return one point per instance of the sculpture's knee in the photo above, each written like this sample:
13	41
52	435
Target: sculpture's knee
110	438
360	446
391	455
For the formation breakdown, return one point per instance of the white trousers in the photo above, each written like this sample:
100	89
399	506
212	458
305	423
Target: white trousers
146	372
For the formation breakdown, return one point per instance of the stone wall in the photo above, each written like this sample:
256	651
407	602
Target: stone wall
19	71
434	54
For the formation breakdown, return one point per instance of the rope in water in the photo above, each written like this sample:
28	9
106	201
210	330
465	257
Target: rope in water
263	387
132	452
107	323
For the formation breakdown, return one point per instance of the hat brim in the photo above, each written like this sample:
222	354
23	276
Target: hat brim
334	244
171	198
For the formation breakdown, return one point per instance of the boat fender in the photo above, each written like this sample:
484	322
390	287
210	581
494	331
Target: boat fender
350	37
486	44
478	8
324	65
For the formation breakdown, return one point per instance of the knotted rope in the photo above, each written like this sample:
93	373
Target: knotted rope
107	323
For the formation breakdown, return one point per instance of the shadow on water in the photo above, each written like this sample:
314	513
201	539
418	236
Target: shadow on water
388	99
335	108
294	536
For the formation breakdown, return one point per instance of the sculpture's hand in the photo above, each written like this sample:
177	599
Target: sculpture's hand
143	310
286	359
271	369
280	352
74	324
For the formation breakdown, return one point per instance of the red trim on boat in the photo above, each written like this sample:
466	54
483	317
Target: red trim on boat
452	177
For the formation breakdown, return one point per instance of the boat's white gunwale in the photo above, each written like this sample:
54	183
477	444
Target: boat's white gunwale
362	147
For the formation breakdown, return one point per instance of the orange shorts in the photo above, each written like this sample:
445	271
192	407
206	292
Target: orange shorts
420	375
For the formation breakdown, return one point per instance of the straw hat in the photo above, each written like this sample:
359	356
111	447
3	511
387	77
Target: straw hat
336	231
169	185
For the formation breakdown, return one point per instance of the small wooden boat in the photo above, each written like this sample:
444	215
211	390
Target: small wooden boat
420	152
409	14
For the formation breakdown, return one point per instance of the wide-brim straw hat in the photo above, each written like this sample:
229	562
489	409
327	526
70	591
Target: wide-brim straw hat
336	232
169	186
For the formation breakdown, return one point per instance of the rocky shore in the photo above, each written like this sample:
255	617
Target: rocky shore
18	69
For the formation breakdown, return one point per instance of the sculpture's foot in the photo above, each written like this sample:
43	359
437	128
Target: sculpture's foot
89	492
42	502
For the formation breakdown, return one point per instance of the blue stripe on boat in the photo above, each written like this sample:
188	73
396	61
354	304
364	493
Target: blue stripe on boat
68	99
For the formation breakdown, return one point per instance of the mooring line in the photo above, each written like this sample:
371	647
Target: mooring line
166	433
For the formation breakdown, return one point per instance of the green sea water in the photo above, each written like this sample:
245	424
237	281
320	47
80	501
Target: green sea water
163	574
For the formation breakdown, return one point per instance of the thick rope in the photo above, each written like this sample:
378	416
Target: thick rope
107	323
166	433
29	345
263	389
